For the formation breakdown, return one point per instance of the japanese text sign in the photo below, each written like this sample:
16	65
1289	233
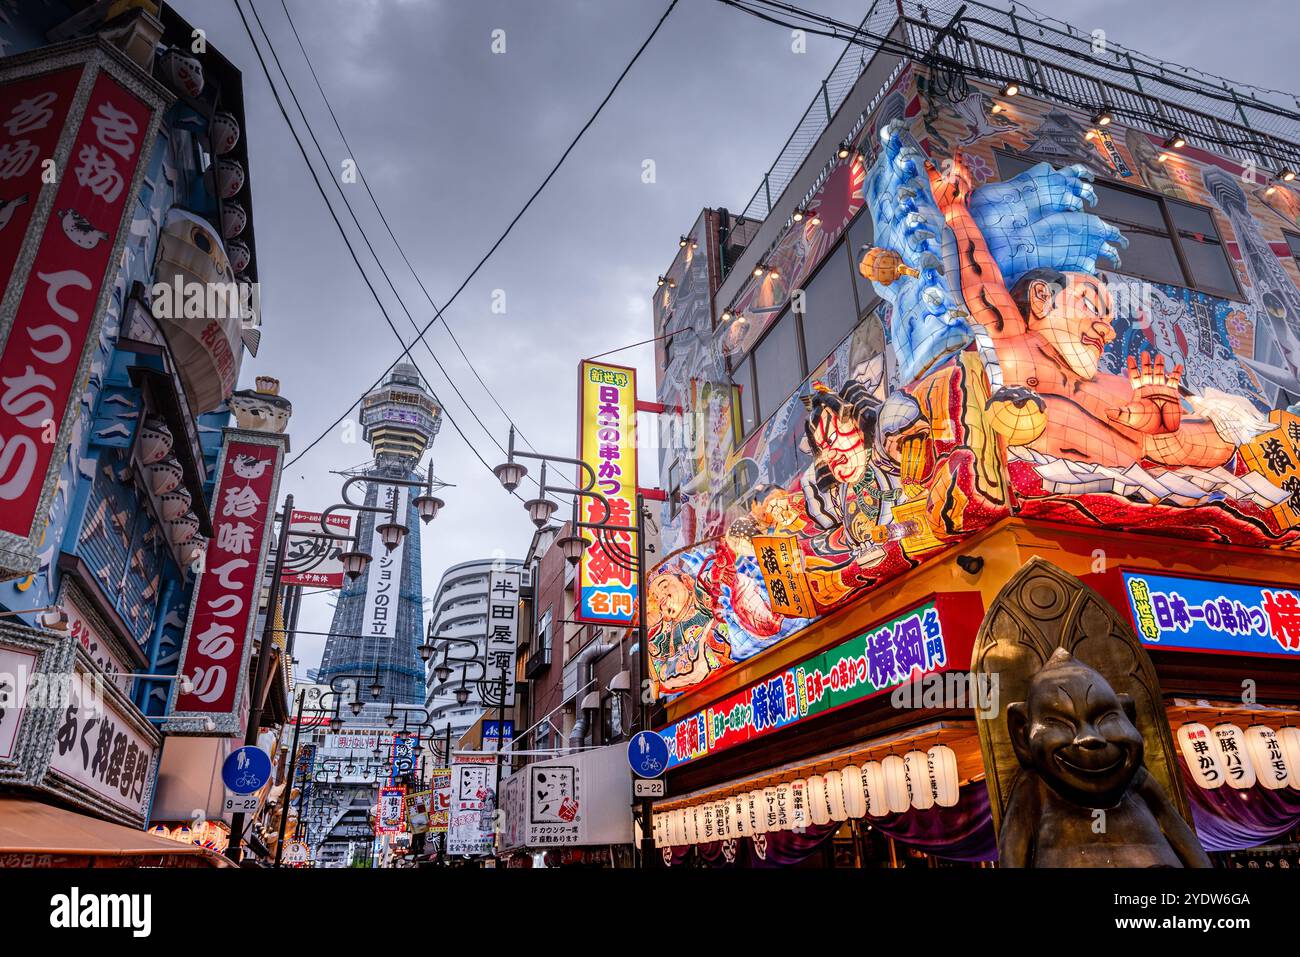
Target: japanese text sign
502	644
934	637
384	573
391	816
1189	614
606	582
224	607
49	327
311	561
781	562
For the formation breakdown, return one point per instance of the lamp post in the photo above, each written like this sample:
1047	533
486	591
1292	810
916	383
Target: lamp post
510	473
293	771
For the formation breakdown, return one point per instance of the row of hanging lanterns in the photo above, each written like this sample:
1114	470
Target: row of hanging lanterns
917	780
1225	754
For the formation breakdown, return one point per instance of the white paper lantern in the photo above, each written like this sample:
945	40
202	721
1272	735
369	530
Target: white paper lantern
873	785
855	796
739	815
661	839
943	775
799	819
769	808
692	835
1230	742
1290	740
708	825
722	819
920	790
1201	755
897	799
819	811
1266	753
675	836
784	806
757	813
835	796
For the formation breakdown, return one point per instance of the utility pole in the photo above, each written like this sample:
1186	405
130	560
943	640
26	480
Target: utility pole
264	656
288	789
647	804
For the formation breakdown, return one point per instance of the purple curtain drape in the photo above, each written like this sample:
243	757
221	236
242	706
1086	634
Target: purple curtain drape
1227	819
963	832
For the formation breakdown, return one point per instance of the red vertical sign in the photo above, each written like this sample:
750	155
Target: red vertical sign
226	597
51	328
30	123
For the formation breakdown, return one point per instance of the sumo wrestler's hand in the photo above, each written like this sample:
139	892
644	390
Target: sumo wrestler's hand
1157	407
952	184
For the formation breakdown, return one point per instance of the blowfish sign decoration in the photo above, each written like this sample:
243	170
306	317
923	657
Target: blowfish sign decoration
74	135
607	436
217	636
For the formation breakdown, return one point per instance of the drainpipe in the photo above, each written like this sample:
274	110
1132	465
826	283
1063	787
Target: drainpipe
586	657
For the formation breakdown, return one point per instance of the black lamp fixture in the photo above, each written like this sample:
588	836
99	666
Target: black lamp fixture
540	510
1102	117
1010	88
426	650
572	547
336	724
845	148
443	670
354	563
1175	141
376	688
462	694
356	704
390	719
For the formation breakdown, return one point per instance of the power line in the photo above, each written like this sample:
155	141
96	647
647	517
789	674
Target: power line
370	246
384	219
406	350
519	215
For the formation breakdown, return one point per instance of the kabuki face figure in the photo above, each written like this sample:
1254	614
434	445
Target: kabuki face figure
841	445
1072	312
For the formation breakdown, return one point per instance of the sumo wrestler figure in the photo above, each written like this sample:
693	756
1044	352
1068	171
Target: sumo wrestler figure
1084	797
1050	331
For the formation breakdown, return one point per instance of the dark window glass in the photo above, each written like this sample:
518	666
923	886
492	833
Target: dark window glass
1150	253
1293	241
861	233
830	312
777	369
1207	260
746	410
1009	165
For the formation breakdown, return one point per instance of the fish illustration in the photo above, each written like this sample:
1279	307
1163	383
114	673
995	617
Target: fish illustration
7	207
78	229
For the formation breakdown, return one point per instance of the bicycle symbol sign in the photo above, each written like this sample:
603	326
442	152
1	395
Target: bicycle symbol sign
647	753
246	770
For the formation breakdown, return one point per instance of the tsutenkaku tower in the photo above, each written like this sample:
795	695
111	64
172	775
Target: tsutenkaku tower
399	420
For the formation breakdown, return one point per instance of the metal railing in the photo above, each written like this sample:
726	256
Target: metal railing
1056	61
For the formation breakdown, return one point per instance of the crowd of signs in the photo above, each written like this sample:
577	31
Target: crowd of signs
971	394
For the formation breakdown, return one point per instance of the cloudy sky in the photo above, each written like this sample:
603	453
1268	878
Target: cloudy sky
453	138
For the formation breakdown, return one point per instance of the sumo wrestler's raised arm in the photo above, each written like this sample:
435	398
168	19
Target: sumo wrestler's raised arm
982	285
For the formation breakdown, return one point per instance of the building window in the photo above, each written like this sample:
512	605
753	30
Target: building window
746	408
674	489
544	632
830	311
1293	242
774	369
668	352
862	234
611	718
1169	241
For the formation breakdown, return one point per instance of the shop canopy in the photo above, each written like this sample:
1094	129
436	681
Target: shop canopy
33	834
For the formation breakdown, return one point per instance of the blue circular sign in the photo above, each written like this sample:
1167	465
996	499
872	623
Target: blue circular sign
246	770
647	753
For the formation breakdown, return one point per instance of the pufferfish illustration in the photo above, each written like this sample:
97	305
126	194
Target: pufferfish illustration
7	207
77	228
247	467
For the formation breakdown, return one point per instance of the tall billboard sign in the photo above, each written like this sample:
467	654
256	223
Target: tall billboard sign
384	581
76	121
606	591
501	649
218	635
309	560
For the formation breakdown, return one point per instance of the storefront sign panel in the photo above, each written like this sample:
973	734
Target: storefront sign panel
933	637
384	574
56	320
224	609
607	438
473	802
1190	614
315	562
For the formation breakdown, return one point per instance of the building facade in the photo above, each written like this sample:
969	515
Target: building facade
458	628
1013	339
152	211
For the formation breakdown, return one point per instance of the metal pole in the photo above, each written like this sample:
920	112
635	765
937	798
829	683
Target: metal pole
501	726
264	656
288	790
647	840
445	836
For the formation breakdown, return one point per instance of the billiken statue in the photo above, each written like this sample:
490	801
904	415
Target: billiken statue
1083	797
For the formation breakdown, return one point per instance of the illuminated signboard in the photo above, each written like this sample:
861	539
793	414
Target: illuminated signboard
934	637
1189	614
607	439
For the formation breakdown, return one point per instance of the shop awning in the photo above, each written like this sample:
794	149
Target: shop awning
33	834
